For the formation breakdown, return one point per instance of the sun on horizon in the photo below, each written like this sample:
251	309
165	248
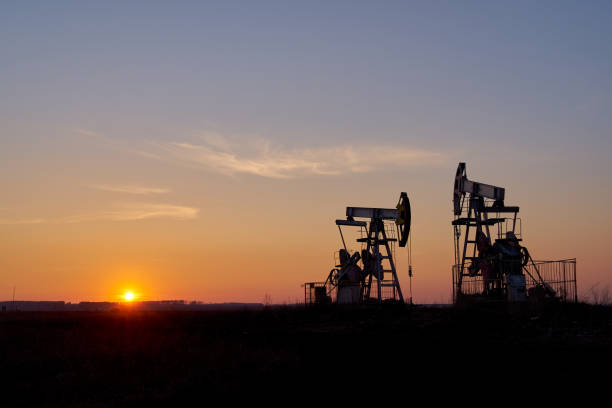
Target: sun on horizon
128	296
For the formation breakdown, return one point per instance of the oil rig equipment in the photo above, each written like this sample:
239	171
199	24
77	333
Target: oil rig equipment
490	261
368	275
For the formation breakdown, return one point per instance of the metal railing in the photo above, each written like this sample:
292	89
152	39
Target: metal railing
322	293
319	293
559	275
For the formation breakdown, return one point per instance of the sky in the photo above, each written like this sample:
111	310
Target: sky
203	150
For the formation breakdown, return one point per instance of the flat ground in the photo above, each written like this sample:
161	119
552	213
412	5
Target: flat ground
123	358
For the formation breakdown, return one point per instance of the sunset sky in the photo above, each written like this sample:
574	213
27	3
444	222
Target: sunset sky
203	150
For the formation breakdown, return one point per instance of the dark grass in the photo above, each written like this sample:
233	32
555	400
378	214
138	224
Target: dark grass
123	358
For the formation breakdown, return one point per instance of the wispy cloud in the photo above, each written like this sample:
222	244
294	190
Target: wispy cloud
148	155
138	211
22	221
85	132
119	212
130	189
261	158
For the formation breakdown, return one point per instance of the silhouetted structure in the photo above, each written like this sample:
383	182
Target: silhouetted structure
502	269
373	267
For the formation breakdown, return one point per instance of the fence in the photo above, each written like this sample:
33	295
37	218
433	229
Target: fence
559	275
319	293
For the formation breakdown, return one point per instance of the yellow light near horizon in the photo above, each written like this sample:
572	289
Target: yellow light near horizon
128	296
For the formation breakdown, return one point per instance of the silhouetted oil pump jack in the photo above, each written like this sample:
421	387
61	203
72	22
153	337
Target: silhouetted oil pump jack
369	275
490	261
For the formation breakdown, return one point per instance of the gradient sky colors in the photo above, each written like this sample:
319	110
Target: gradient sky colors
202	150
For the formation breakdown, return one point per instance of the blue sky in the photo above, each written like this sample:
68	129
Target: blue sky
391	70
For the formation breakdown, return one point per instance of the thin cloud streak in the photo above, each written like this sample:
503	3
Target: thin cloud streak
86	132
130	189
120	212
264	160
138	211
22	221
141	211
148	155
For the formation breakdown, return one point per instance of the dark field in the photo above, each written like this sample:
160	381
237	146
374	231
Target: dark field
123	358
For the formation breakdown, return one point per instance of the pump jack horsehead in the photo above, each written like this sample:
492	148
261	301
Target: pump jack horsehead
370	275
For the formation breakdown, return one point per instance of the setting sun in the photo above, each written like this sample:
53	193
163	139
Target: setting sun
128	296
